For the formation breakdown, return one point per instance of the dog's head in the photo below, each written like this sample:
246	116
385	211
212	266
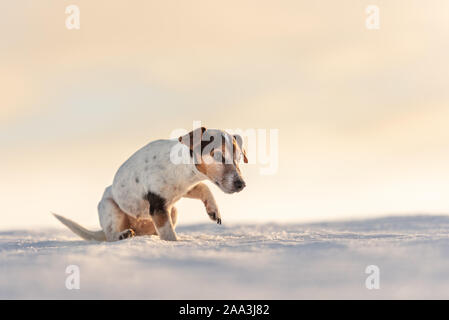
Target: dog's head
217	154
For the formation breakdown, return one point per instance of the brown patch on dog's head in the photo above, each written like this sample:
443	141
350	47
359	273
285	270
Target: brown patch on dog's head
193	140
196	143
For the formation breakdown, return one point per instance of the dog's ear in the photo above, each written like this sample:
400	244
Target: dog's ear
193	139
239	141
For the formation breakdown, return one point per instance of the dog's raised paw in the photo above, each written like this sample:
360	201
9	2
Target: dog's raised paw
214	217
129	233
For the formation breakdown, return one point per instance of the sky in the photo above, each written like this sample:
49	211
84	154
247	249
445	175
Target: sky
361	114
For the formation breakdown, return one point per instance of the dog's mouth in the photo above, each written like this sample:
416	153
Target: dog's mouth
220	185
224	189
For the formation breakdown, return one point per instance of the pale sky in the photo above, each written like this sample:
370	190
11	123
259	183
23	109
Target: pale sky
362	114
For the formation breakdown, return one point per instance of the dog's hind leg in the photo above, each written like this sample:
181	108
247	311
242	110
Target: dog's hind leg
142	227
146	227
113	220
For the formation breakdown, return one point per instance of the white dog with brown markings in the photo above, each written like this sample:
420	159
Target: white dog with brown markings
146	187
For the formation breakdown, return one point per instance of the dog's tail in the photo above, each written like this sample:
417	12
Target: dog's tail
79	230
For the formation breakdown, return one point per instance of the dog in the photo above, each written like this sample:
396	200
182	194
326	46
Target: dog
146	187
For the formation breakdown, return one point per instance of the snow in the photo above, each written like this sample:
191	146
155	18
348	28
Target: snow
259	261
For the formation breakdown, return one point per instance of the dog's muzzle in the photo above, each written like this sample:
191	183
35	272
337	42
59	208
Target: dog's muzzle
239	185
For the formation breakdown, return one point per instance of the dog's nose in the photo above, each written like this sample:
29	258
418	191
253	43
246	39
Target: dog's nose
239	185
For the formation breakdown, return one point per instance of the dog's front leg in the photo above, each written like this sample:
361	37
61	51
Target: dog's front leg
164	226
203	193
159	212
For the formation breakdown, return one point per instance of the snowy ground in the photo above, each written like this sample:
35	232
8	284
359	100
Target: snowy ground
325	260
